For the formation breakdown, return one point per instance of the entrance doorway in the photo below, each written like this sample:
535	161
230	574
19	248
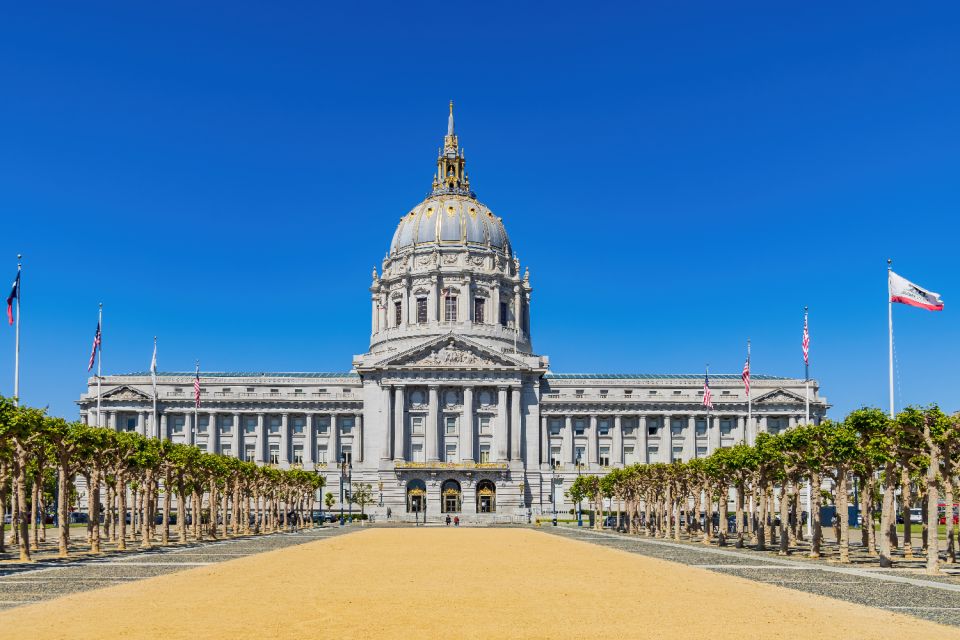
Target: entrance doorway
486	497
450	497
416	496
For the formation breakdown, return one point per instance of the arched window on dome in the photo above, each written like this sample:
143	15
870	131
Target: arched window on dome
421	310
479	305
450	308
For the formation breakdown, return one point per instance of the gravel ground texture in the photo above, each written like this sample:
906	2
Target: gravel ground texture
456	583
906	590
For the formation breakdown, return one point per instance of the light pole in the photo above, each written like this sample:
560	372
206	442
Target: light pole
579	509
350	489
343	475
553	489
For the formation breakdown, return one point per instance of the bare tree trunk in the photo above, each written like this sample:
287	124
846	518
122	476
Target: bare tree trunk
841	502
933	499
948	518
93	502
906	501
197	516
888	530
146	500
167	500
23	539
34	512
762	524
3	515
63	508
121	491
816	526
739	514
722	525
784	519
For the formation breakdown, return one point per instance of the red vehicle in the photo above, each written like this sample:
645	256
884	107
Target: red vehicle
942	513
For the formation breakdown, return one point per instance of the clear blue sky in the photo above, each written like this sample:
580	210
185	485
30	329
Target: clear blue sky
678	177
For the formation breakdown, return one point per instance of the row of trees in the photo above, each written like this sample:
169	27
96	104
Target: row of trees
132	482
914	455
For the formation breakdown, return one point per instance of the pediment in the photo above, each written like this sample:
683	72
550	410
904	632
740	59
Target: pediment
451	352
779	396
126	393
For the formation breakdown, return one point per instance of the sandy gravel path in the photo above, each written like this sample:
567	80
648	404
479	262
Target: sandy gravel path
454	583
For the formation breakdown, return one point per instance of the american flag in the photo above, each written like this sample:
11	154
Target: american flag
96	345
707	396
806	339
196	387
745	376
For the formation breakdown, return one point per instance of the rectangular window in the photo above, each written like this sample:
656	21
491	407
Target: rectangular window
652	429
397	313
226	424
503	314
478	305
249	452
274	453
484	425
298	424
652	452
322	454
178	424
226	450
555	426
275	423
416	450
603	426
726	427
250	424
604	456
323	426
421	310
701	452
250	389
450	308
484	453
678	453
579	427
227	390
202	424
676	427
451	453
628	455
701	427
555	457
416	424
298	454
580	455
450	427
346	454
131	423
346	425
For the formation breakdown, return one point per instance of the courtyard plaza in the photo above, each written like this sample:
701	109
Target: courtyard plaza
396	582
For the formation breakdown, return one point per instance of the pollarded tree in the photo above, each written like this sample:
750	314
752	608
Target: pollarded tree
362	496
870	425
938	429
740	462
842	449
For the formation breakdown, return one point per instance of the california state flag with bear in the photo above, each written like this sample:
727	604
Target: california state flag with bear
905	292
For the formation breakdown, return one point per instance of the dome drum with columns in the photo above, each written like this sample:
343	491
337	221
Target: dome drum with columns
450	410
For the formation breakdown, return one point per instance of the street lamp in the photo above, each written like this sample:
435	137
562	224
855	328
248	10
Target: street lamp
553	489
579	509
343	475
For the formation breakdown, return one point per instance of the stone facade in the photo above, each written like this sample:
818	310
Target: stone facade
450	408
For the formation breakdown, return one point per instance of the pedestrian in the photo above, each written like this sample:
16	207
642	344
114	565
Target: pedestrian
456	521
448	520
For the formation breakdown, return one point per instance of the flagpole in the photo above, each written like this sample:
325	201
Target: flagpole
707	430
153	373
806	384
890	324
750	436
16	356
99	358
196	414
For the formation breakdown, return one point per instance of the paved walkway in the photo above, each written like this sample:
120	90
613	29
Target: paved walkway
905	591
27	583
445	582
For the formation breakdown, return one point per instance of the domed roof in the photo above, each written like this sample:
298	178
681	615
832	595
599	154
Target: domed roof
450	220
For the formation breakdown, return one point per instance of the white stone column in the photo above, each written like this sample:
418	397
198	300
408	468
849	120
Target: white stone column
642	439
213	433
464	302
617	445
495	303
285	439
568	455
791	422
405	302
763	424
386	452
164	435
111	419
516	425
358	437
467	426
544	440
501	431
434	306
375	319
713	431
666	439
188	436
142	423
592	437
237	437
400	441
310	442
334	440
384	301
690	441
741	429
433	420
516	308
260	453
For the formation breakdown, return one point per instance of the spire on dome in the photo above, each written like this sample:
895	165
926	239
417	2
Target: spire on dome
451	171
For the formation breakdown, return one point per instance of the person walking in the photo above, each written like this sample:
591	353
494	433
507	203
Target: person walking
456	521
448	520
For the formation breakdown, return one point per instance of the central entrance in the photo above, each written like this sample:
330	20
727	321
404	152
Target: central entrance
451	496
416	496
486	497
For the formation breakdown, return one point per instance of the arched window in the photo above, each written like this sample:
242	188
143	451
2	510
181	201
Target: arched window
450	497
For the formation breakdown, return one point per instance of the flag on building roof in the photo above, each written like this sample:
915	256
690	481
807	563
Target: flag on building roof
196	387
806	339
707	396
14	295
96	345
745	376
905	292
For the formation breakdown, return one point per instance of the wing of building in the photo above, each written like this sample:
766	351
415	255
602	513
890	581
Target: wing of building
450	409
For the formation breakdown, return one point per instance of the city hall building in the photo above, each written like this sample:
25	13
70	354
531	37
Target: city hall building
450	409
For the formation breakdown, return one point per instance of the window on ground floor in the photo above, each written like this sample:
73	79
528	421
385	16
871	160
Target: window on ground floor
484	453
629	457
322	454
555	457
701	452
298	454
580	454
677	453
250	452
604	456
226	450
274	453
